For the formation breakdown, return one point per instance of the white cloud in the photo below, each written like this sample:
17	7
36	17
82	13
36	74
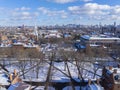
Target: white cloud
62	1
96	6
88	11
115	17
116	9
74	8
21	14
86	0
90	8
43	10
68	1
64	16
95	11
49	12
22	9
24	15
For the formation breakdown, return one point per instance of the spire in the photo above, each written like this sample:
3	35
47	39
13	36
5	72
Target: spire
36	31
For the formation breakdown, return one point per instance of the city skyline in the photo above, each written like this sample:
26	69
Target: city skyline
51	12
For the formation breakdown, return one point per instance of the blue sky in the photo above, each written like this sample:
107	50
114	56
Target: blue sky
51	12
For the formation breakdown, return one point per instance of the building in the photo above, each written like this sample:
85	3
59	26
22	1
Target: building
111	78
19	48
98	40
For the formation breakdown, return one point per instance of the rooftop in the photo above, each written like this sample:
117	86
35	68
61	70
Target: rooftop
116	73
100	37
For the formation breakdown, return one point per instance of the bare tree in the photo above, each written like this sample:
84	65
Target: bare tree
49	71
39	62
22	62
66	55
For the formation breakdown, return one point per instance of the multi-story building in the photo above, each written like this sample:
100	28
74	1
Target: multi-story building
98	40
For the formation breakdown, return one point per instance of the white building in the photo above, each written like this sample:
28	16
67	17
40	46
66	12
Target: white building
99	40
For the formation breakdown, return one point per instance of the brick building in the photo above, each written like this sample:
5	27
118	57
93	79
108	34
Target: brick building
111	78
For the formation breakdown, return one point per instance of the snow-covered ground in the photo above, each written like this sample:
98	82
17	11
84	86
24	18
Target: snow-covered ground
58	72
3	78
87	71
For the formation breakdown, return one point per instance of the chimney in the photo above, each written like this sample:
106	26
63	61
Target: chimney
118	65
15	72
110	67
98	81
89	81
115	71
11	78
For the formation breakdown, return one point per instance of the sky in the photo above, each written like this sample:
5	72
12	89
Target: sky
52	12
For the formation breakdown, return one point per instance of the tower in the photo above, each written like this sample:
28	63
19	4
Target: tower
114	27
36	32
100	26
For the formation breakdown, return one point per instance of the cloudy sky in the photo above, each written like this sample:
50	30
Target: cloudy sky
51	12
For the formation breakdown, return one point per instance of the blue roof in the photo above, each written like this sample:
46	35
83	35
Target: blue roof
66	35
13	86
5	76
93	33
79	46
86	37
87	87
108	72
18	86
93	87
